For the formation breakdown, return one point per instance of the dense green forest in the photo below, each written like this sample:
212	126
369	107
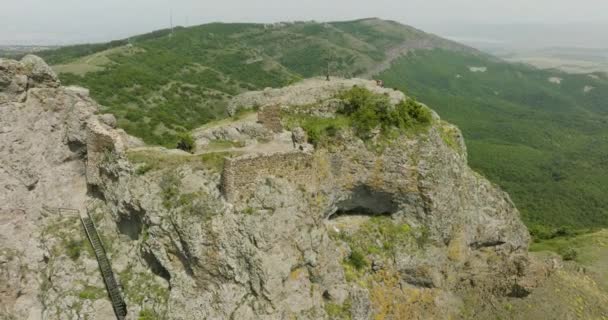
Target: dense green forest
541	135
545	142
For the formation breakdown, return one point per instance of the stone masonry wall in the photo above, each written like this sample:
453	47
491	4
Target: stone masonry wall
270	118
240	174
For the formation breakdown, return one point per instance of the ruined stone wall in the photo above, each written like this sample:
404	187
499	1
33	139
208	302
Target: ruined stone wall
240	174
270	118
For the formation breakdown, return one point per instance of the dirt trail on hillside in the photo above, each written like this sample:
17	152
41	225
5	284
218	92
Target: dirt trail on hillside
391	55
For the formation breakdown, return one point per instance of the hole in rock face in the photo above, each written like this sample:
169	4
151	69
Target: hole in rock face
156	267
518	292
130	223
326	295
77	147
366	201
130	226
93	191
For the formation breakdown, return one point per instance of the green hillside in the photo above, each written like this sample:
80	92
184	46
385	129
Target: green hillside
545	142
541	135
161	83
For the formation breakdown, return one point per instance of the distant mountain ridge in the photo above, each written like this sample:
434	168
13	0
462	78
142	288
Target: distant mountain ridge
67	53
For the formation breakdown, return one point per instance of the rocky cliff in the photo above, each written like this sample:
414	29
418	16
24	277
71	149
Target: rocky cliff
256	224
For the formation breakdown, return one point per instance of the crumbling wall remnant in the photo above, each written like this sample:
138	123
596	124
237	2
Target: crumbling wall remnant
270	118
240	174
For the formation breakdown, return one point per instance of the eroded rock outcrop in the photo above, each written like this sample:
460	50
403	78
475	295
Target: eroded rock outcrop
269	234
45	133
399	229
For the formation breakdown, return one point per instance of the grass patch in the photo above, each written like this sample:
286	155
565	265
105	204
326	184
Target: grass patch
378	236
73	248
225	144
72	240
143	169
196	204
154	160
92	293
169	186
320	131
448	133
338	311
192	204
148	314
139	287
249	211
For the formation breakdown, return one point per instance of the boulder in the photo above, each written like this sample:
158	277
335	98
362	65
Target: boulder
108	119
39	73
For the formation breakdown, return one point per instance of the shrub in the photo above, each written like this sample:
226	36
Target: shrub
357	260
365	119
73	248
569	254
540	232
564	231
143	169
169	185
409	111
355	98
147	314
368	111
185	142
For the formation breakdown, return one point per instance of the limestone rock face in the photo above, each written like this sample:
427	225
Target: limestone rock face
280	230
45	134
13	83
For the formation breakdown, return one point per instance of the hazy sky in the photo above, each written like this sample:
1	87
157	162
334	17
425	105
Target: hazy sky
69	21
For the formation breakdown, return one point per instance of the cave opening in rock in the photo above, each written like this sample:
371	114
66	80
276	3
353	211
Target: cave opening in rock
156	267
94	191
78	148
130	226
518	291
365	201
130	222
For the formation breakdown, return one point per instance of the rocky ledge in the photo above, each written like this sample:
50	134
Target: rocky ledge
265	220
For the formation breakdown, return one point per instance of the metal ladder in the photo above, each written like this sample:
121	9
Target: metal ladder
118	303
